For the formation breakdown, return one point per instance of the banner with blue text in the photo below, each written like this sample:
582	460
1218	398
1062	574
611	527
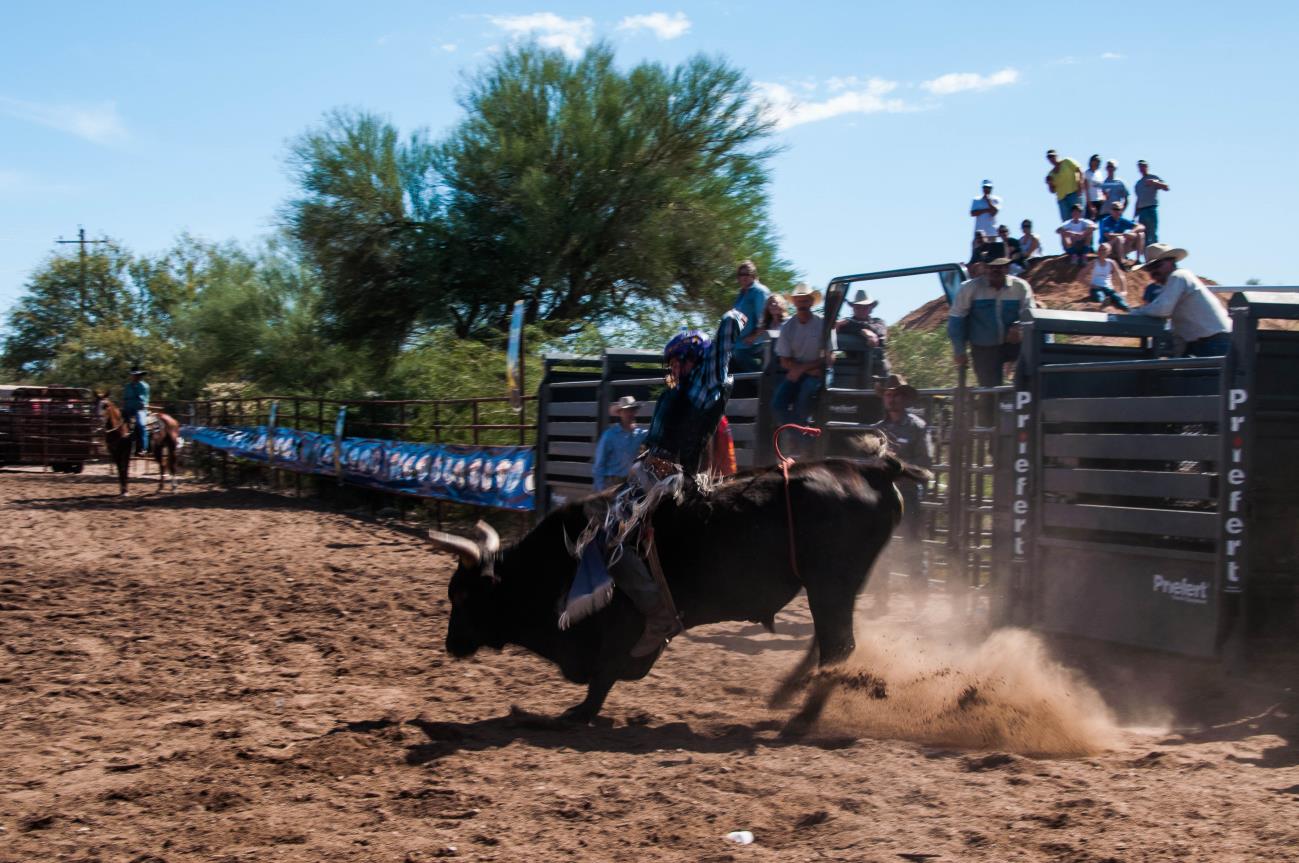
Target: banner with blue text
496	476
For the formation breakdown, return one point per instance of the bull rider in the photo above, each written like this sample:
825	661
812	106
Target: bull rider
685	417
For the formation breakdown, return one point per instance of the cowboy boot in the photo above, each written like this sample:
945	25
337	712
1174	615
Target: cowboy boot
660	626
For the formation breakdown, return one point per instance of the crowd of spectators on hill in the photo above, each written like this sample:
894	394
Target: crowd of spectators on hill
1092	203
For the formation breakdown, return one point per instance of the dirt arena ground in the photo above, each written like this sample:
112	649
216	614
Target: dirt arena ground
219	675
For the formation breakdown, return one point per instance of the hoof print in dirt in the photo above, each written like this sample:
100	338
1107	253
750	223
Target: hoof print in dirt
812	819
994	761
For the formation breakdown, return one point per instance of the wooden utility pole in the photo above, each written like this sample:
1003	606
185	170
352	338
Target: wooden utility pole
82	242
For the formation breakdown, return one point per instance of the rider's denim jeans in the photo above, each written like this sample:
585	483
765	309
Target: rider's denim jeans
142	429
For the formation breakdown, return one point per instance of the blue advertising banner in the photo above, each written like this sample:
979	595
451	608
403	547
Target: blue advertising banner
496	476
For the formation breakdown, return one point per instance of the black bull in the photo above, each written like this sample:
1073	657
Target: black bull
725	555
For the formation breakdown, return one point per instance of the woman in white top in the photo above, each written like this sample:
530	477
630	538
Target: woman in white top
1100	275
1093	181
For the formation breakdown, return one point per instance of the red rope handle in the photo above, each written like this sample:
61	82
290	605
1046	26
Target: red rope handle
785	462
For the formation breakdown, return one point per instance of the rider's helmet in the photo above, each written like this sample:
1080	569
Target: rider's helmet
686	345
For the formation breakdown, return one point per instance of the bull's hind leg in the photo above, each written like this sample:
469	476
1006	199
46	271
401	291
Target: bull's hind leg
793	681
832	620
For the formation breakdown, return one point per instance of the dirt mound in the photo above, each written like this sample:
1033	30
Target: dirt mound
1056	284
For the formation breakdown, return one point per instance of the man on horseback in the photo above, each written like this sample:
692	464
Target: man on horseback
135	404
685	417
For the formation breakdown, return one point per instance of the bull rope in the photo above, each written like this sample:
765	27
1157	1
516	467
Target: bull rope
785	462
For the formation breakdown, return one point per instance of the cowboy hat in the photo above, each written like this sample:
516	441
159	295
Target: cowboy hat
803	289
898	383
861	298
999	262
136	370
626	403
1156	252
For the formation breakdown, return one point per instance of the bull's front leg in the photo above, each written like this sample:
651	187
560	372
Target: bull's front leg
596	692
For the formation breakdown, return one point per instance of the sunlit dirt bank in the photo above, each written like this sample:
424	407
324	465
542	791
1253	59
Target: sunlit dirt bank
230	676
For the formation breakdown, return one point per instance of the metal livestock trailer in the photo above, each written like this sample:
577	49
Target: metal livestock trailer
1154	501
47	425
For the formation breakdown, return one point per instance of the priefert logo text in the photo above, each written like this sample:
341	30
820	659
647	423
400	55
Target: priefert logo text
1184	590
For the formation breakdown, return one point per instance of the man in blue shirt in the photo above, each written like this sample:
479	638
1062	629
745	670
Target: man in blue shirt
751	300
618	446
135	405
1123	235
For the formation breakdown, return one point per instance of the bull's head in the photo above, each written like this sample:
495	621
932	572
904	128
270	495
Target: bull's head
473	623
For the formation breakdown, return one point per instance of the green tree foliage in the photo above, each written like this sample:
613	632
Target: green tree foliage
59	305
584	190
580	188
923	357
364	219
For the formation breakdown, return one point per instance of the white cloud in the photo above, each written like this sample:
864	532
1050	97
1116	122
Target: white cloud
1110	55
959	82
98	123
570	35
449	47
852	97
661	24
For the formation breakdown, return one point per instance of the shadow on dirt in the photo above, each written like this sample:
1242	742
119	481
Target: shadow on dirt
1199	701
638	736
753	640
151	499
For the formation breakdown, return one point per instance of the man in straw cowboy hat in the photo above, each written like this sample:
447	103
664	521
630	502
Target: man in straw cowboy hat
1193	312
986	314
618	445
803	357
909	441
871	329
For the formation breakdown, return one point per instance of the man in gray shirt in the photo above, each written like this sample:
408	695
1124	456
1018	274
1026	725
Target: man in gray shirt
1147	205
1193	312
804	358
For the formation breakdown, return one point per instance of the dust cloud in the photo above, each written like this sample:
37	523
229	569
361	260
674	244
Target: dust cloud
1003	692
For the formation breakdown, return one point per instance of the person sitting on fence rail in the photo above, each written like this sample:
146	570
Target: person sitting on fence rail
750	302
872	330
986	315
804	359
1194	313
617	533
618	446
909	441
135	406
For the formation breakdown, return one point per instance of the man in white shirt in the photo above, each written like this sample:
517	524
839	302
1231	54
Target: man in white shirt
1076	235
1092	180
984	210
1192	310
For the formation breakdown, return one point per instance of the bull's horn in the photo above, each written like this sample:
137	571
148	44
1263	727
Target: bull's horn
491	539
466	549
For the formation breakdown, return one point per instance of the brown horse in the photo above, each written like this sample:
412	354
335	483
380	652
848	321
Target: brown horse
164	441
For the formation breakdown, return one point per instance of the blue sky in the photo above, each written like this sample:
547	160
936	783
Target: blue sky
145	119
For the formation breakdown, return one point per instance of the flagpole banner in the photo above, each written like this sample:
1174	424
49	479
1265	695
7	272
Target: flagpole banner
496	476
